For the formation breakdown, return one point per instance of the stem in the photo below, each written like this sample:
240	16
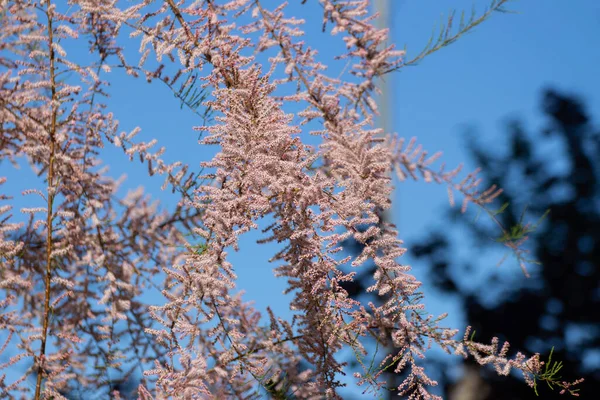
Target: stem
50	201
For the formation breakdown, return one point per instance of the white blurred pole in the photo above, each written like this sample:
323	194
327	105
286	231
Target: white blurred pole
384	21
384	100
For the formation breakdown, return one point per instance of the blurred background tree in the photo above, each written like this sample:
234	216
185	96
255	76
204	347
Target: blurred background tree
558	307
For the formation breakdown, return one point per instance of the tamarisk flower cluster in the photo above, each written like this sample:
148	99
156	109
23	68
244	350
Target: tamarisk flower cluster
72	279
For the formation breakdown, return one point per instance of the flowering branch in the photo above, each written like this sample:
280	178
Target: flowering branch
102	252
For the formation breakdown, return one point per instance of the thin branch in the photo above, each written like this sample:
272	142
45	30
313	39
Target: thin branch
50	203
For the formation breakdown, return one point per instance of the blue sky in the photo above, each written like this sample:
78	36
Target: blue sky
497	71
486	77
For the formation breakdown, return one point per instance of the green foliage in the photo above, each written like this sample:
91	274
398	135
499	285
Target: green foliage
191	96
501	209
445	35
520	230
199	248
276	386
516	235
551	377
